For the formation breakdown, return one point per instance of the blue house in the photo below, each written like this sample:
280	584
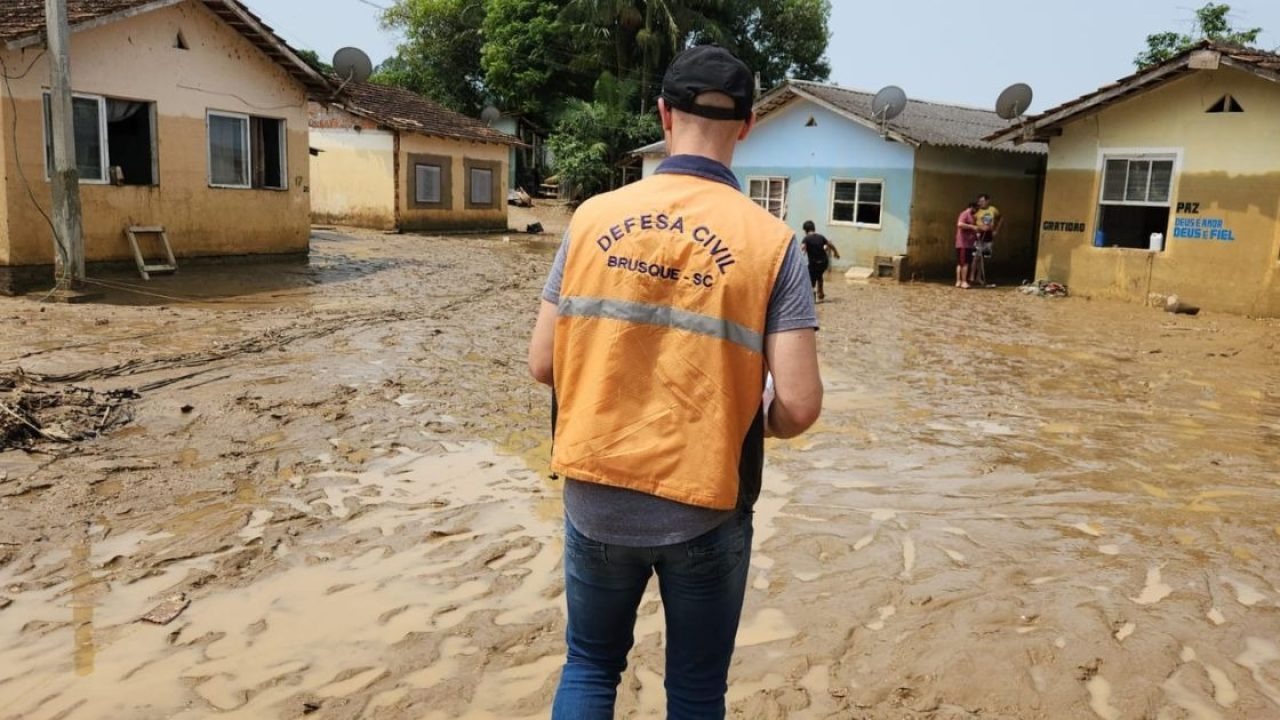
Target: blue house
882	191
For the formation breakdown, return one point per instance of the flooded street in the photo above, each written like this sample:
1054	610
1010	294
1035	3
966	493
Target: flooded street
1012	508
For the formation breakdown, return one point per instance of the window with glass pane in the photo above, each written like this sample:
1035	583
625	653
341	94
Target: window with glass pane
770	194
229	150
481	186
86	114
1161	181
857	202
1113	180
1135	203
427	185
869	202
1138	180
844	202
1135	188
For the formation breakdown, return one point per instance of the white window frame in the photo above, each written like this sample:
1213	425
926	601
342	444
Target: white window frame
249	148
1138	156
1174	154
103	151
208	144
831	203
768	180
1137	153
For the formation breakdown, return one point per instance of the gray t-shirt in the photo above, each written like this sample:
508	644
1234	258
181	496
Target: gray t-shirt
619	516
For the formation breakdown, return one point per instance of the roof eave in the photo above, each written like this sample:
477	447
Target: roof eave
299	69
398	127
38	38
303	72
799	92
1049	123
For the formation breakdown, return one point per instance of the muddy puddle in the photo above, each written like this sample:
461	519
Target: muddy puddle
432	591
1011	508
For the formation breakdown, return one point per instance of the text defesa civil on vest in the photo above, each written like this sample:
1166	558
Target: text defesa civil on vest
701	235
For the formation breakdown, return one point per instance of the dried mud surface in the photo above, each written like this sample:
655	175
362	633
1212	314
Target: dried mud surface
1012	508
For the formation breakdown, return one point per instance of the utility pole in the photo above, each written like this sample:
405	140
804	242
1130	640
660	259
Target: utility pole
65	179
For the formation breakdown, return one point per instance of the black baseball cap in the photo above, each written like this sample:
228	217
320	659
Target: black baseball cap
709	68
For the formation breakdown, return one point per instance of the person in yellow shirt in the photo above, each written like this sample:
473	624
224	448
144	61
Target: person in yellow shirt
989	220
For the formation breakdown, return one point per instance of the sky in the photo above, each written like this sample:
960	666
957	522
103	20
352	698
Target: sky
961	52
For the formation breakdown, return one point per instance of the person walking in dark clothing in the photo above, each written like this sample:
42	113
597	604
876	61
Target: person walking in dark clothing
817	247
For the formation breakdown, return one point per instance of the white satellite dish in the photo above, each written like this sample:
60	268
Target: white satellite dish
352	65
490	114
887	105
1014	101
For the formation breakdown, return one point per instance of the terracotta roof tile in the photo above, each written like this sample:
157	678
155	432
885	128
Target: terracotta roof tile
408	111
20	18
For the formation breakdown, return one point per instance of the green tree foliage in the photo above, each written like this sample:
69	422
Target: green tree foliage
440	55
590	68
592	137
314	61
636	39
783	39
1213	22
528	59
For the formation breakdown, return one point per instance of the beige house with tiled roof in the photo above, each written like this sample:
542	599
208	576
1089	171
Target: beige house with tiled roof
388	158
1167	182
190	114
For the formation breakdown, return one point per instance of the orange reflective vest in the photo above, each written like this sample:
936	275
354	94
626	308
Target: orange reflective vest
659	345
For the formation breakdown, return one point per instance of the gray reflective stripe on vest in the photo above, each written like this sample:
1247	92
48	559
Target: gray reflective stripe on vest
587	307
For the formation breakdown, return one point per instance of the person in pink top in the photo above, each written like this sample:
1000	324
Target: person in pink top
966	240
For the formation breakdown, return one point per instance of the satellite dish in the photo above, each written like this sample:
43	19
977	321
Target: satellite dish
351	64
1014	101
889	103
490	114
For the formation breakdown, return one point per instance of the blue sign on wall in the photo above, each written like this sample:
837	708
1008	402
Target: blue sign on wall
1198	228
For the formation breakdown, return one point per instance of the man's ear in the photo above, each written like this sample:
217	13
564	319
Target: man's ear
747	127
664	113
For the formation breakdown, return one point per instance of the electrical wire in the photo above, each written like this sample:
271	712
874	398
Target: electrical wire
59	242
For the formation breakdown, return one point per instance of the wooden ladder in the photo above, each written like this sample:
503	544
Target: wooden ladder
145	270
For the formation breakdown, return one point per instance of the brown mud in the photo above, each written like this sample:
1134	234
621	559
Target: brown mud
1013	507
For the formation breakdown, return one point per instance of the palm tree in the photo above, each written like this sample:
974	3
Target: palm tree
638	38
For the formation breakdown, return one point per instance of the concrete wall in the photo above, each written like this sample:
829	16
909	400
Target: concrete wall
511	126
649	164
137	59
353	180
458	216
948	178
1229	166
784	145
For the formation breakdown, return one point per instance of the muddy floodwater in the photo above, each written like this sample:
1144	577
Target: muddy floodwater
329	493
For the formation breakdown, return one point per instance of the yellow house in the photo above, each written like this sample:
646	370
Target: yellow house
388	158
1167	182
189	114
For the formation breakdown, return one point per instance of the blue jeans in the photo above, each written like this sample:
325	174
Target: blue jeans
702	583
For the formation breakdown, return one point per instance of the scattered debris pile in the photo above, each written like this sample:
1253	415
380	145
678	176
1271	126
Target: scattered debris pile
1044	288
32	412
